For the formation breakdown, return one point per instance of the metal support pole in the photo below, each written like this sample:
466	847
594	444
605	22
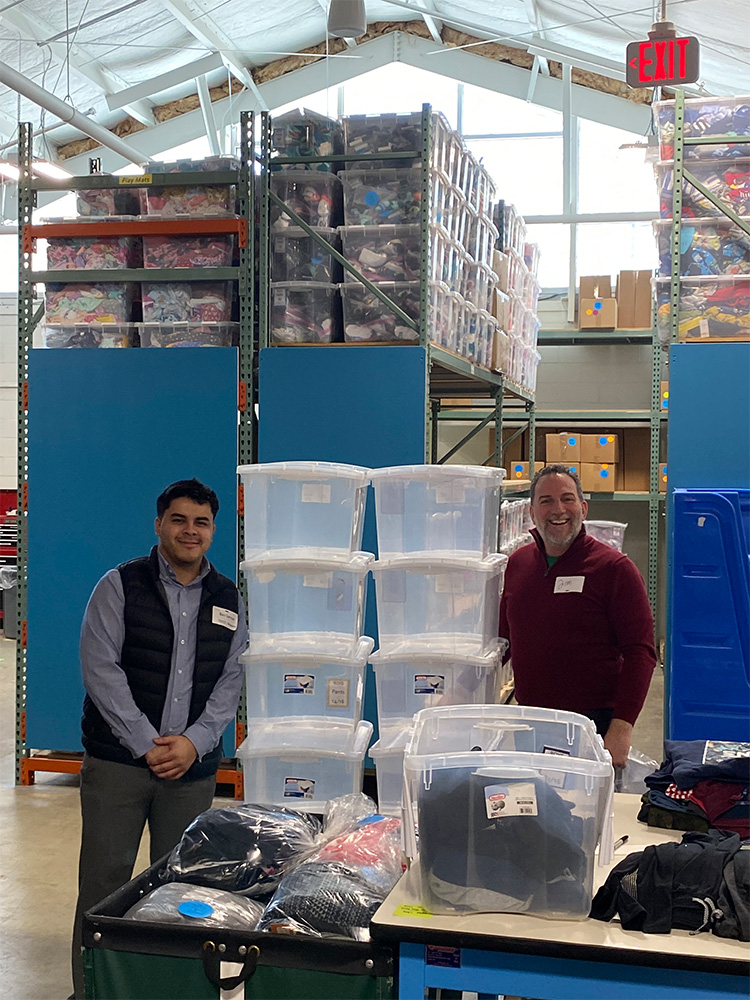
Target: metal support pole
435	407
498	415
570	181
264	246
467	437
431	428
653	495
531	410
677	180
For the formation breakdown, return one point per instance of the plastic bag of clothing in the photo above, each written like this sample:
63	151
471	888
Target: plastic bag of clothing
177	903
632	777
244	848
345	812
338	889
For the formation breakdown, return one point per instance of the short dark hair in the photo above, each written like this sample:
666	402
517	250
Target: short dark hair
193	489
560	470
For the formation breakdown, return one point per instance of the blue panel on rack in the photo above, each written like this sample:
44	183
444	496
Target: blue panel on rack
108	430
359	405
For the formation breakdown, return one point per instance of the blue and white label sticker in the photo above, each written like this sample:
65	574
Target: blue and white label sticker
429	684
299	684
299	788
515	798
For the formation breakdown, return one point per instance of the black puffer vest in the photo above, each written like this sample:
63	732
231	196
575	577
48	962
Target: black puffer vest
147	655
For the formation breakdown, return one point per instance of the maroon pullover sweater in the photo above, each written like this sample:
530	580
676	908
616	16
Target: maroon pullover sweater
578	651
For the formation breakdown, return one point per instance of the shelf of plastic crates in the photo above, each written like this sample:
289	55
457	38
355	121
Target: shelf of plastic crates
91	181
453	375
138	227
597	416
138	274
549	338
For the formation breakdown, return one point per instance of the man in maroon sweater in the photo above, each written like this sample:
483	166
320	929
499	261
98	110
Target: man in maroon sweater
577	617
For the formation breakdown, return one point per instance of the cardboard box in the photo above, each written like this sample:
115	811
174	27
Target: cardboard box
573	467
501	267
598	448
597	313
662	477
665	395
595	286
564	447
602	478
634	300
500	351
636	460
521	470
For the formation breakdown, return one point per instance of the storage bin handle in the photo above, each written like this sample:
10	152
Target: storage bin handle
212	959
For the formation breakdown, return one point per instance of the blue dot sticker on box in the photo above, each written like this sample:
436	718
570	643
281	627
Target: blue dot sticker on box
196	909
572	441
603	441
372	198
604	472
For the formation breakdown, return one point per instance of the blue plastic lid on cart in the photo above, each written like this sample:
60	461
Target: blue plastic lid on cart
194	908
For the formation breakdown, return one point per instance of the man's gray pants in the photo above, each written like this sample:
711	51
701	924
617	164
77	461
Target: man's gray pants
117	800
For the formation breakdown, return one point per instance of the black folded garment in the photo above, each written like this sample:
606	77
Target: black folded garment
243	848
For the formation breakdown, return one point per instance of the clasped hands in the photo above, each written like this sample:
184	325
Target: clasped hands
171	756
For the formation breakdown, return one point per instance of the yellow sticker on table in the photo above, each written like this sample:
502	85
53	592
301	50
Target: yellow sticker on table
135	179
411	910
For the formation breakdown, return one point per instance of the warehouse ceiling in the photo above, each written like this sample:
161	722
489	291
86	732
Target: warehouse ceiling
132	65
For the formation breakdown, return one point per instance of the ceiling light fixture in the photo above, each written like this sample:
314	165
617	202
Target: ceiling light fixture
347	18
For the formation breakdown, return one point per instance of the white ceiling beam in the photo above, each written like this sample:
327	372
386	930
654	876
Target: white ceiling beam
84	65
165	81
433	25
202	27
207	111
535	21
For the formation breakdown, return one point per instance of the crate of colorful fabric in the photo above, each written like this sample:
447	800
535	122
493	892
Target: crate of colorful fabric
456	215
727	179
531	289
531	254
707	246
199	250
87	302
392	133
305	312
193	199
90	335
439	187
79	253
454	156
383	253
117	201
705	116
480	284
367	319
306	133
442	330
382	197
187	301
711	309
188	334
314	195
295	256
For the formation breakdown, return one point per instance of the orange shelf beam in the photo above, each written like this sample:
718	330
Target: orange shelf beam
138	227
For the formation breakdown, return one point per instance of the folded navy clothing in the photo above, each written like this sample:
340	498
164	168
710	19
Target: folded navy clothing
691	761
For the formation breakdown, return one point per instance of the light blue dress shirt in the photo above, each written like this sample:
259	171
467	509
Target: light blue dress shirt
102	637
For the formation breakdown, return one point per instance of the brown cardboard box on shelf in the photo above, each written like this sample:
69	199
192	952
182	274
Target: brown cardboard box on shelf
662	477
664	395
595	286
563	447
634	300
636	460
600	478
597	313
521	470
500	351
500	265
597	448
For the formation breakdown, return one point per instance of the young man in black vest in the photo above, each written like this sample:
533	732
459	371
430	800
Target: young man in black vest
160	643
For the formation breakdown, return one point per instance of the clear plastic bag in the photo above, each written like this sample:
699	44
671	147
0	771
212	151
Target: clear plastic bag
177	903
631	777
243	849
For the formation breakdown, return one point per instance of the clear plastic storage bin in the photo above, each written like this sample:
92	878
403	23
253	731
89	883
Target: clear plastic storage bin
407	684
441	315
382	197
280	772
305	312
705	116
446	509
383	253
728	180
711	309
306	133
187	301
188	334
386	133
707	247
367	319
315	688
290	598
193	199
90	335
293	508
388	754
74	303
612	533
118	201
314	195
199	250
429	601
295	256
73	253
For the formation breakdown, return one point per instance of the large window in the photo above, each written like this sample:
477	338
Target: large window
612	179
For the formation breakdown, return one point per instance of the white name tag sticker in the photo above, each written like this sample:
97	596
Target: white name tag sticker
569	584
222	616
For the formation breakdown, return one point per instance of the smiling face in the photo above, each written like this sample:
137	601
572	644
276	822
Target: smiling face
185	530
558	512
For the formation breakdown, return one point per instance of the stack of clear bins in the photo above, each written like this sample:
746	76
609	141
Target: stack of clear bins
508	804
438	581
306	659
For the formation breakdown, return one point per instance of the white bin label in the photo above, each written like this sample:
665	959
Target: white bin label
516	798
299	684
338	693
322	580
449	583
316	493
429	684
450	493
279	296
299	788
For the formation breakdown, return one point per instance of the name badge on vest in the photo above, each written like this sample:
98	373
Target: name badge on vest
222	616
569	584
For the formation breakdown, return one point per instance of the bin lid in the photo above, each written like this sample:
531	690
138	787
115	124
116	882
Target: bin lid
436	653
291	561
272	741
439	472
315	649
306	470
442	562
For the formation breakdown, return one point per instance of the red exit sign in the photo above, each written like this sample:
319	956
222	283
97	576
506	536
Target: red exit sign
663	62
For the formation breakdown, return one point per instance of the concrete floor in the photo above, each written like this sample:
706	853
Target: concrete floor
39	854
